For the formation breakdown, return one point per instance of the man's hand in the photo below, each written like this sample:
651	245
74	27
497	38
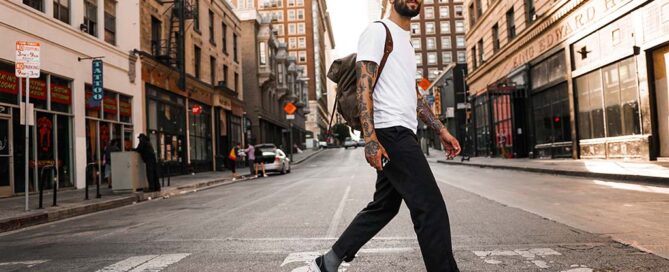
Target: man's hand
374	152
451	145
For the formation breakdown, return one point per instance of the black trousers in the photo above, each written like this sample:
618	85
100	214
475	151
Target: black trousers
152	176
406	177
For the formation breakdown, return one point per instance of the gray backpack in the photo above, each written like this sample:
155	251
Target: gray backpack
342	72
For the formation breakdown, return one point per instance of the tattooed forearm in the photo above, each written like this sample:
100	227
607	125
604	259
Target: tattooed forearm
425	114
366	71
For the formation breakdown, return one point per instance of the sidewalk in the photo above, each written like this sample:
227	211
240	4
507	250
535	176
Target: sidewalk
71	202
633	171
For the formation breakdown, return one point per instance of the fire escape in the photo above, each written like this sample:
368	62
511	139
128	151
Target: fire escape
172	49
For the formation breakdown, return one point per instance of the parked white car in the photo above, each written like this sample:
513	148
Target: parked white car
350	143
275	159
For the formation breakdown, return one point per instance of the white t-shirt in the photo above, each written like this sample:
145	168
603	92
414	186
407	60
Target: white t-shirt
395	94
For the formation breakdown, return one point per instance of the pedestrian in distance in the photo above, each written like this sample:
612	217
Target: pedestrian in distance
260	162
148	155
113	146
251	155
390	106
232	159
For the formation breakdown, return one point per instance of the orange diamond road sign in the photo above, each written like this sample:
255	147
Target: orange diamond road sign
289	108
424	84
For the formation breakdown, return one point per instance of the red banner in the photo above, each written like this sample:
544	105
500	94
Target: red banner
59	94
110	104
125	109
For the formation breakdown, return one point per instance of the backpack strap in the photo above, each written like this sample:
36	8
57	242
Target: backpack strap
387	49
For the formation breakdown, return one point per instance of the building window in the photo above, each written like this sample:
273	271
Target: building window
462	57
416	42
432	58
530	11
460	41
445	27
429	1
237	87
263	53
211	27
419	59
479	8
156	36
429	12
608	102
212	70
495	37
200	132
196	16
446	42
91	17
279	29
36	4
551	115
197	58
302	57
480	56
61	10
279	16
302	42
291	29
224	38
110	21
430	43
225	75
429	28
235	50
472	18
415	28
444	12
458	11
292	43
510	24
459	26
432	73
446	58
300	14
300	3
300	28
474	59
291	15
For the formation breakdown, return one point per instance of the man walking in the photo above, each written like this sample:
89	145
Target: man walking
389	107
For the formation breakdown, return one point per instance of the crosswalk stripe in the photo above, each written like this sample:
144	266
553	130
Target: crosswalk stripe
145	263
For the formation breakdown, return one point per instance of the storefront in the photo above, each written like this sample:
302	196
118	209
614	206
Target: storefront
201	149
166	127
108	123
50	139
550	108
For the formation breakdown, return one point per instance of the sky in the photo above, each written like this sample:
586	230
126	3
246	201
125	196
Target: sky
349	19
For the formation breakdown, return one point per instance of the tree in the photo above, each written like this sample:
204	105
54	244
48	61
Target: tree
341	132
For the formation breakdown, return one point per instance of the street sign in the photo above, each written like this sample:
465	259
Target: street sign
290	108
424	84
98	89
27	59
197	109
290	116
30	112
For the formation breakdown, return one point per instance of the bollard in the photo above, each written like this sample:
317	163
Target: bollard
55	192
41	185
93	165
41	191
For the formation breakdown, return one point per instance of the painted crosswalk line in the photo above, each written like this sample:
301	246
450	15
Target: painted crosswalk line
145	263
27	264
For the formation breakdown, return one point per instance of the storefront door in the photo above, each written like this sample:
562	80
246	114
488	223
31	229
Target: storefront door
661	68
5	157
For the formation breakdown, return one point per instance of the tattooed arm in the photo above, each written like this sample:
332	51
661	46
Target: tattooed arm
367	73
425	114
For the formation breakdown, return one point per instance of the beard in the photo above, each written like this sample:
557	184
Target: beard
404	10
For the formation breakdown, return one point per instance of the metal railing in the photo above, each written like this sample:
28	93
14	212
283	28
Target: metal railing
96	179
43	177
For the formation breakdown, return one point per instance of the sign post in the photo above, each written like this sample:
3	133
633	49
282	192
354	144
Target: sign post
290	109
27	66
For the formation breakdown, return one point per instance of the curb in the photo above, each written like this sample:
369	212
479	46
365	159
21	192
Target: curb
618	177
308	157
43	217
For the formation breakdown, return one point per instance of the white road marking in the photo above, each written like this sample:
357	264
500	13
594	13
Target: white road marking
387	250
145	263
28	264
305	257
336	218
530	255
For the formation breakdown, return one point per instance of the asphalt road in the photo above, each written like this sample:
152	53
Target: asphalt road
280	222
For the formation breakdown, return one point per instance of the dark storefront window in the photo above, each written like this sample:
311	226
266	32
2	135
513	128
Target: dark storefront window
551	115
166	123
608	102
200	137
36	4
482	120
